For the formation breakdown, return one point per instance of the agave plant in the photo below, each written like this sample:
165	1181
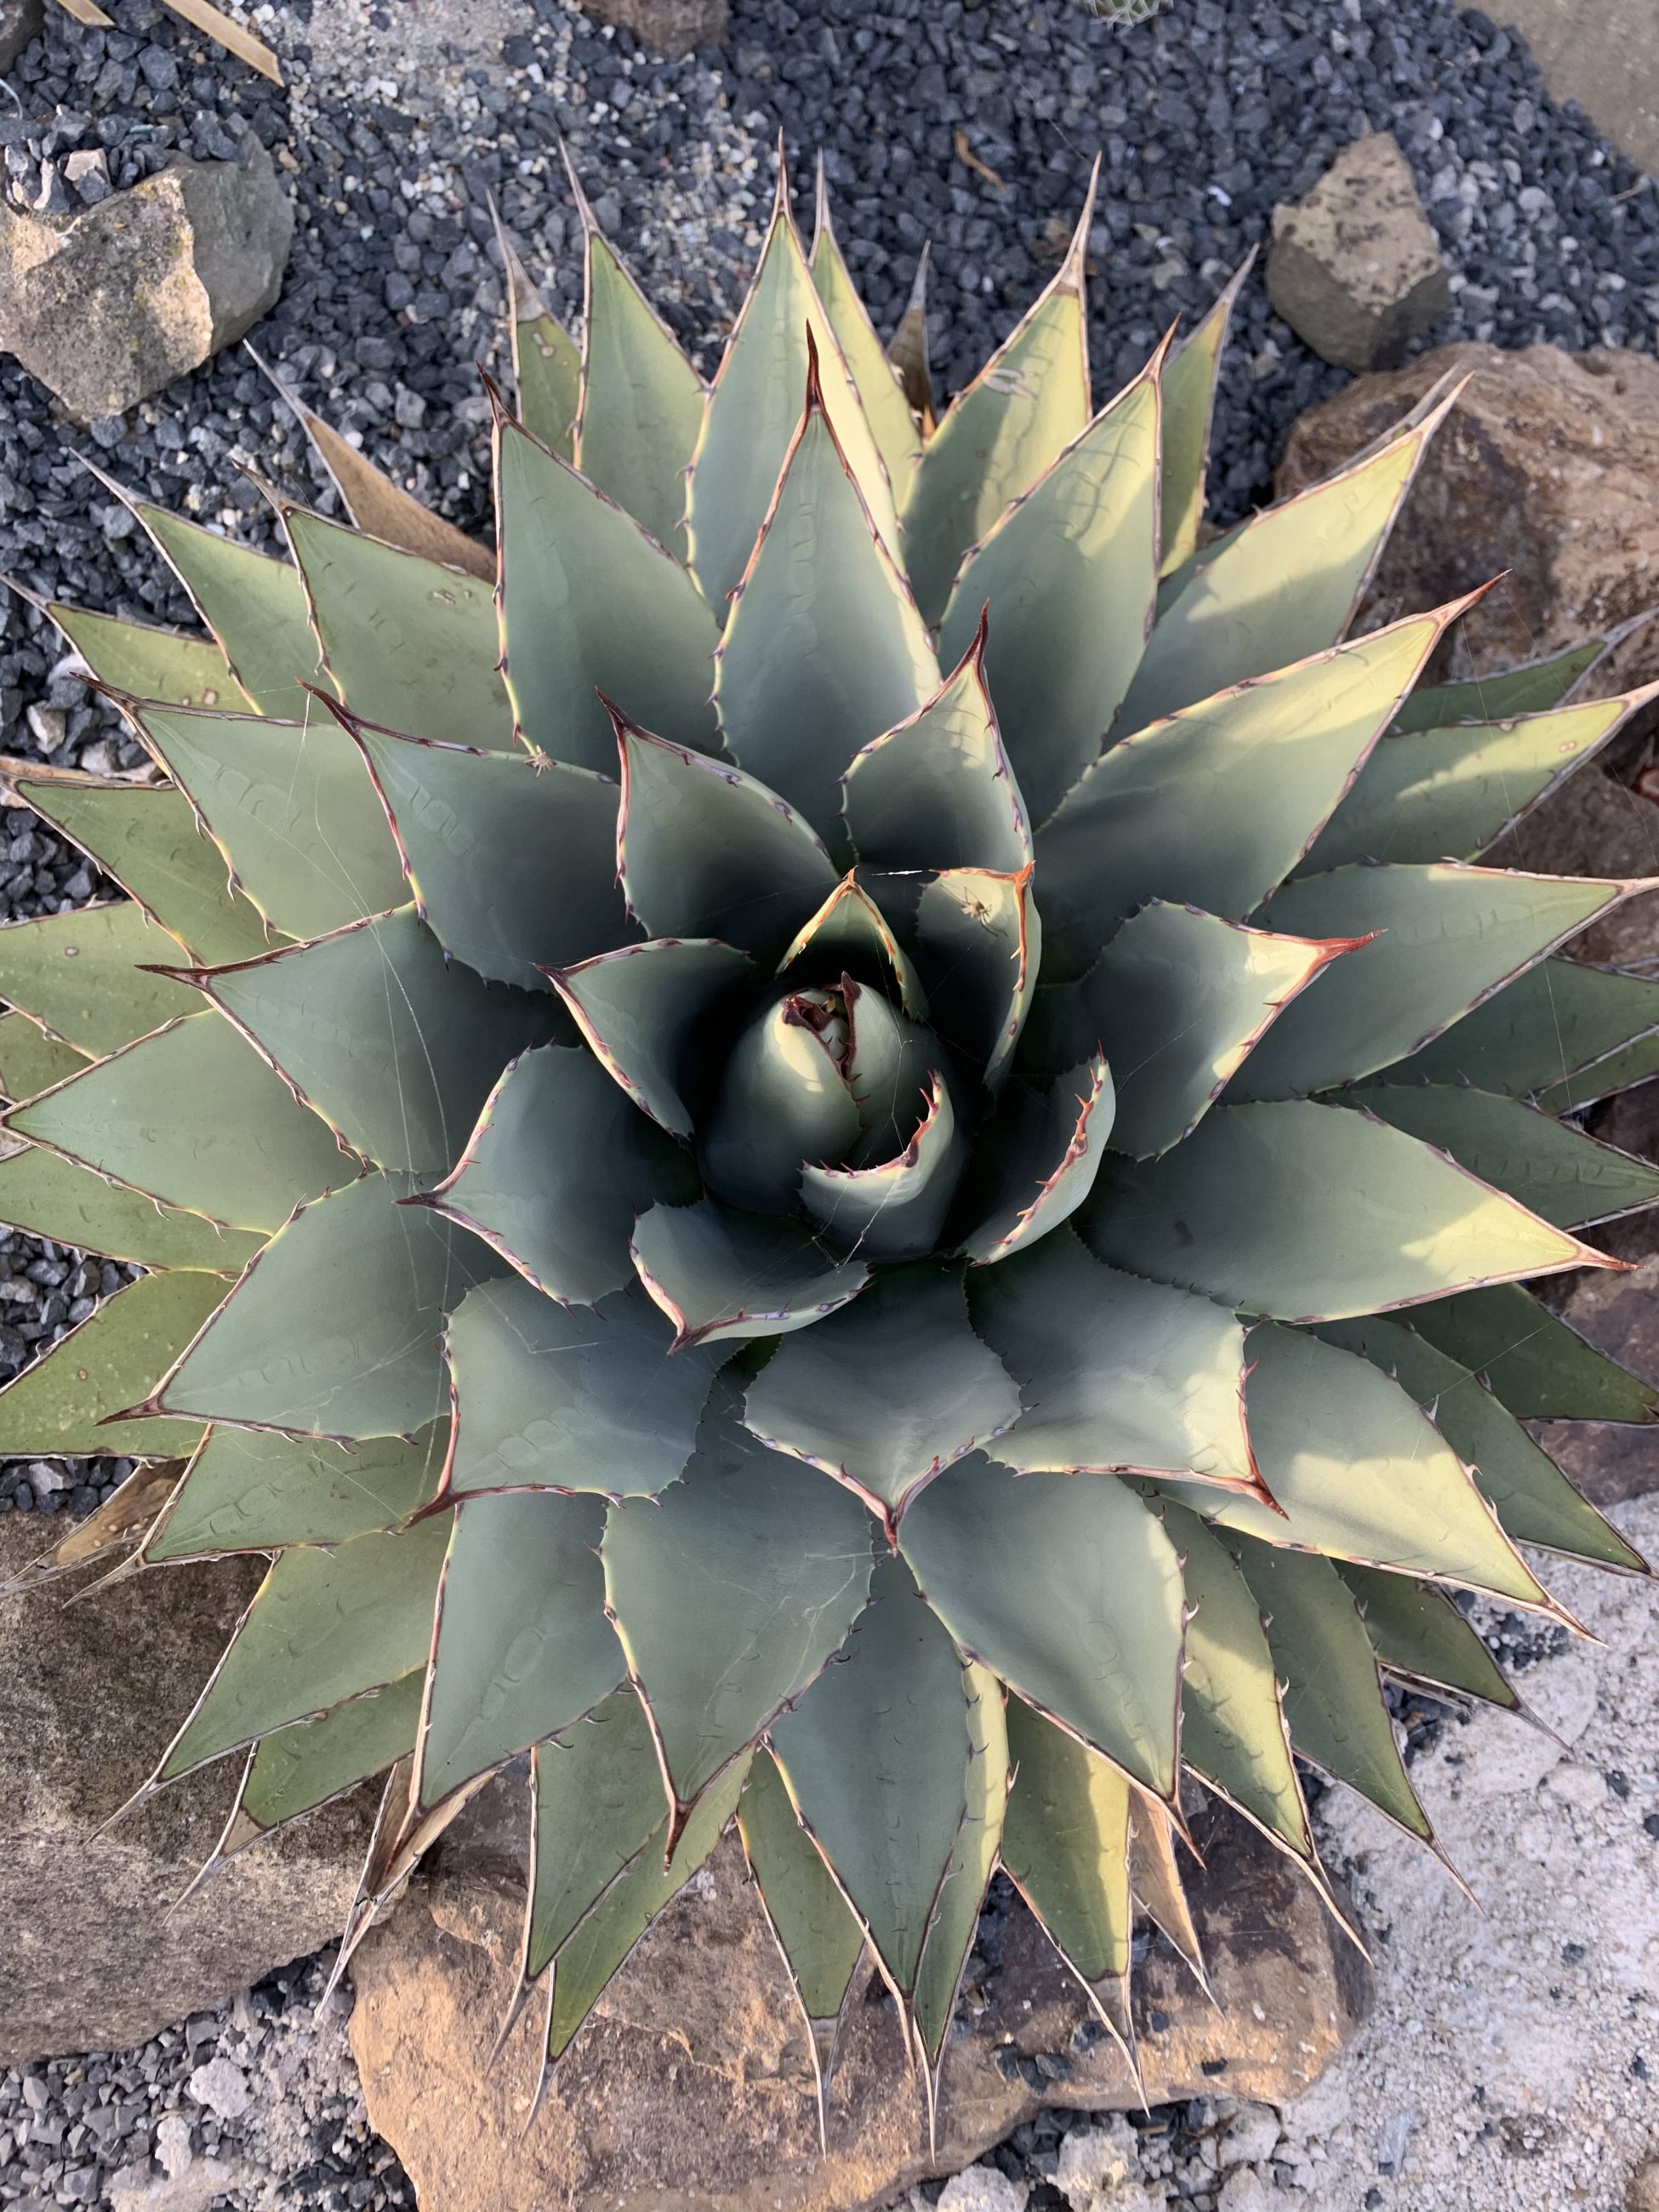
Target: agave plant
846	1138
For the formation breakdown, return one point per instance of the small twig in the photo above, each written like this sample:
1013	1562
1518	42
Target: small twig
966	154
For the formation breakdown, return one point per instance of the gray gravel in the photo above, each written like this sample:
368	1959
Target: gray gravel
1207	117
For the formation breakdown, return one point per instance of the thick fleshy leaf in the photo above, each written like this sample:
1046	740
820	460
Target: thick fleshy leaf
1532	688
1633	1063
522	1647
394	1046
151	664
603	1939
1178	1001
409	643
1441	939
1155	1880
849	937
1532	1498
1036	1161
824	650
1066	1587
303	1766
379	507
106	1365
1445	794
898	1209
590	604
887	1392
335	1330
247	1489
890	1061
1232	1730
291	808
1332	1698
511	861
546	1399
325	1626
1558	1021
599	1802
148	839
1002	430
1357	1472
192	1116
1258	769
1189	388
1309	1212
547	362
703	850
1418	1631
907	349
1555	1170
938	792
1070	576
255	607
754	414
954	1923
54	1197
1285	585
31	1061
1119	1376
820	1940
641	1009
1065	1847
1536	1365
642	402
979	943
80	975
875	1758
730	1593
782	1102
719	1275
892	424
556	1171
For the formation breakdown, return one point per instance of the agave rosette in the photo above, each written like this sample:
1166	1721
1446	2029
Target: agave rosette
849	1138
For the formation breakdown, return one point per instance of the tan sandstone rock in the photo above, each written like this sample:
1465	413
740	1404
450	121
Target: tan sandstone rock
691	2084
109	305
88	1960
1355	268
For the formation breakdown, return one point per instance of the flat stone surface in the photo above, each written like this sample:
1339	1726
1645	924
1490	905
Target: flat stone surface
691	2083
88	1960
110	305
1603	53
1355	269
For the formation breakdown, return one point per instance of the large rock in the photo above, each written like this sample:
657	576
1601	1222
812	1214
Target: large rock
109	305
1547	469
691	2084
92	1693
1355	268
673	26
20	22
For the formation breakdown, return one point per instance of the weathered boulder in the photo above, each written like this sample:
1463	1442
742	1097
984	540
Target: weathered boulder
87	1959
20	22
1620	1316
1606	58
110	304
1547	470
691	2083
1355	269
673	26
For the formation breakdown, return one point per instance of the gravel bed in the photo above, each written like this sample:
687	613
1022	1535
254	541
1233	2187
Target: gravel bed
970	123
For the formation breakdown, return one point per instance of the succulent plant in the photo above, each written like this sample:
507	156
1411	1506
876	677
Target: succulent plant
848	1137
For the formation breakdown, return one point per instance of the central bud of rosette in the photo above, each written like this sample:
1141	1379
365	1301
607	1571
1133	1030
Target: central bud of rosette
834	1101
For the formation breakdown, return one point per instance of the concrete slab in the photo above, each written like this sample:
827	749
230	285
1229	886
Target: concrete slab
1603	53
